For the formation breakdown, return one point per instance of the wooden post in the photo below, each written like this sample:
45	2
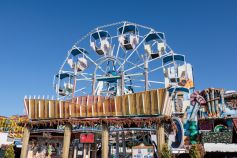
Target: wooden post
26	138
105	140
160	135
66	140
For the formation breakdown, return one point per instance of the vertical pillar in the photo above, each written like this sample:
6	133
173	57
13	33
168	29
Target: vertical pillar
89	150
66	140
124	144
110	148
105	140
84	150
26	138
122	80
117	145
93	83
94	150
75	151
146	72
160	136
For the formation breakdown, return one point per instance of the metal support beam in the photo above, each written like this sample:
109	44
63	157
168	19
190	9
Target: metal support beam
66	140
93	84
105	140
26	138
146	72
122	80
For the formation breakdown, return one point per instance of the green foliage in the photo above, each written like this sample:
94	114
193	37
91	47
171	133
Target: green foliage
9	153
165	152
196	151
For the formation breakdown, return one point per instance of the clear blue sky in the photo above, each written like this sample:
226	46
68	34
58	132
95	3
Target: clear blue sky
35	35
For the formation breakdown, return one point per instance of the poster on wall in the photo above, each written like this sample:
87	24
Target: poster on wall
10	125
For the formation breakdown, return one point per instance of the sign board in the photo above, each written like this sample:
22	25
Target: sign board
142	151
87	138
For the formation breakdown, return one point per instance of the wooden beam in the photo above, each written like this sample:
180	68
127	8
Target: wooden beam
160	135
26	138
67	140
105	140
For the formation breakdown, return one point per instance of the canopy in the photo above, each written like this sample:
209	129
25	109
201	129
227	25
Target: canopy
100	34
76	51
175	57
63	75
179	89
128	28
155	36
220	147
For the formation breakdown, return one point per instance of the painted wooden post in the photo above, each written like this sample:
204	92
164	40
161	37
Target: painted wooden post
105	140
66	140
26	138
160	135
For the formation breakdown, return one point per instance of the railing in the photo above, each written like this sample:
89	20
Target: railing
154	102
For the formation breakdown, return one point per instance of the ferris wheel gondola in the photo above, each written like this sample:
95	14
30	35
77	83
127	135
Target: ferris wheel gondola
176	72
155	44
100	42
128	36
64	84
77	61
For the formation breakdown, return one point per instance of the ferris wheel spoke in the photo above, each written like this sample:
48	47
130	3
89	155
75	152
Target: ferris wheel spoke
133	51
92	61
157	82
133	64
158	68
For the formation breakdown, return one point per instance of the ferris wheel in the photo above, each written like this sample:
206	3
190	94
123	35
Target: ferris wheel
121	58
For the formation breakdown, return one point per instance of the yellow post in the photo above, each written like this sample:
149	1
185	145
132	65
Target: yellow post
26	138
105	140
160	135
66	140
